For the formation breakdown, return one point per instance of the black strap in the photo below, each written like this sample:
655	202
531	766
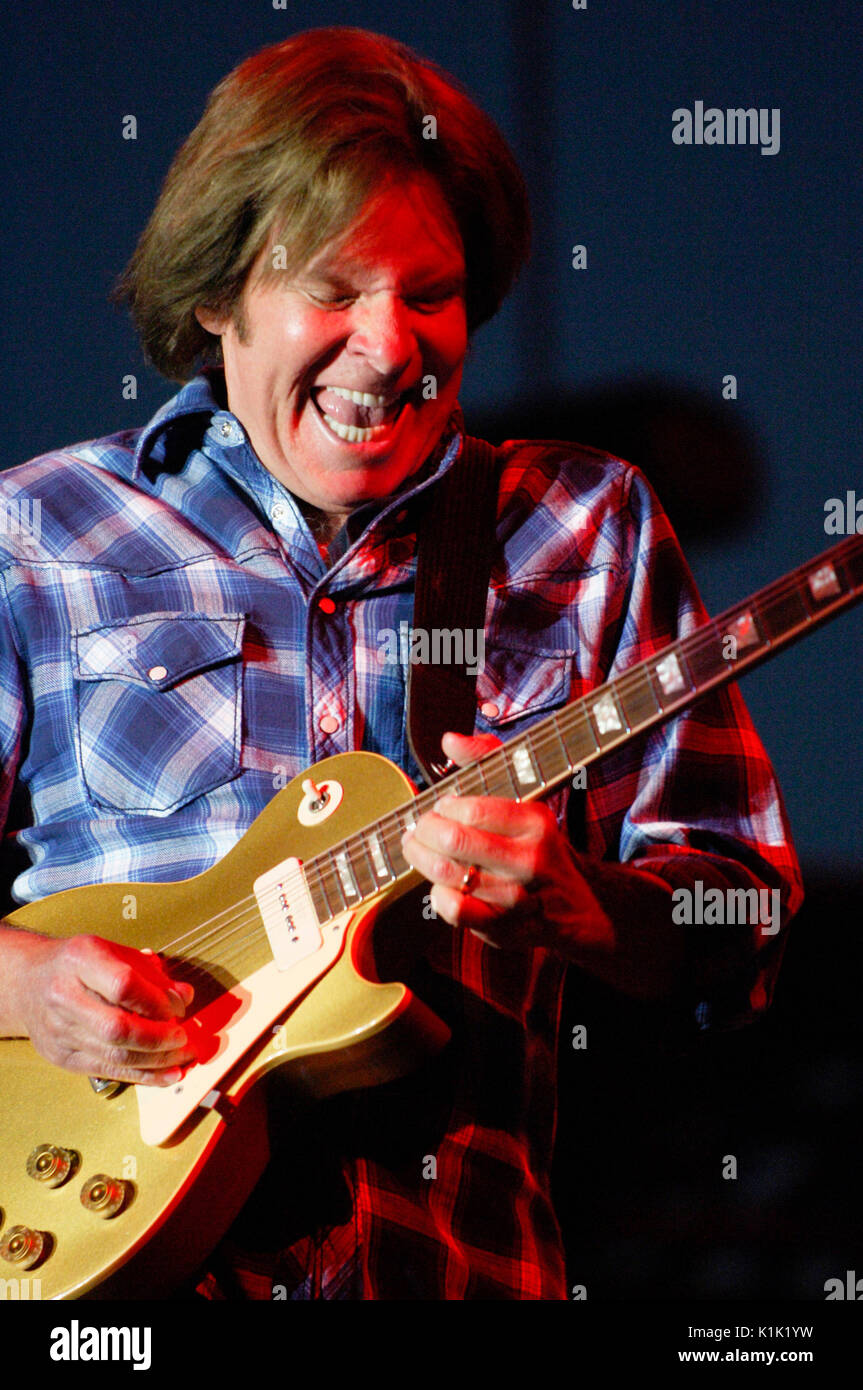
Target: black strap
455	541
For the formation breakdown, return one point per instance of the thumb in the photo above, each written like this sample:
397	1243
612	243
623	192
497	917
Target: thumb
463	749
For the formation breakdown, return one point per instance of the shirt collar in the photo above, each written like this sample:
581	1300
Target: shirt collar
204	396
198	397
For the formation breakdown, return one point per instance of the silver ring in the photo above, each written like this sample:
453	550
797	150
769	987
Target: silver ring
470	878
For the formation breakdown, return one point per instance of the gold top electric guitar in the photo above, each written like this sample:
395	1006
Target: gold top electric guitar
123	1190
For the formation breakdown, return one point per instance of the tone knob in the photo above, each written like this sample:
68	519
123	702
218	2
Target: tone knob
103	1196
51	1165
22	1247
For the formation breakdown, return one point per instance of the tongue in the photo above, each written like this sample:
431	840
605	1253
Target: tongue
349	414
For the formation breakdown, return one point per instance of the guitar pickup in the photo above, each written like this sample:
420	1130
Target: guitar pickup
288	913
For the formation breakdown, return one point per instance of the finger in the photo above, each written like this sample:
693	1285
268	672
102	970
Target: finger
93	1023
125	978
437	838
496	814
503	889
464	912
464	749
94	1064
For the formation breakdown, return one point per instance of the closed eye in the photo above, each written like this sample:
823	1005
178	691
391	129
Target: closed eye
423	303
330	302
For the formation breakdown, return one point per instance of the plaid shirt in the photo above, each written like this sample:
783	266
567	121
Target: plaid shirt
167	663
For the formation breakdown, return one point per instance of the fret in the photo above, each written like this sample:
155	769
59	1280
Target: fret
346	880
362	868
577	734
852	564
333	891
513	792
546	756
781	613
706	654
317	890
556	726
670	677
465	782
637	697
497	778
391	839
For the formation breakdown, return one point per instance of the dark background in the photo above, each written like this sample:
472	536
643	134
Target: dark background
701	262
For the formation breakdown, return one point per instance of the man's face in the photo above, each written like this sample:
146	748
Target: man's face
376	311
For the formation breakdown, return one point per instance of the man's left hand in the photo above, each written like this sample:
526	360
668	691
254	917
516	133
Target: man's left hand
501	868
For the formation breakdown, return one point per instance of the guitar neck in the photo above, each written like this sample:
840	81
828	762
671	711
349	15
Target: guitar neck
609	716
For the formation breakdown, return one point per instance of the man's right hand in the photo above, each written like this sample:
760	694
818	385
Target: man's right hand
93	1006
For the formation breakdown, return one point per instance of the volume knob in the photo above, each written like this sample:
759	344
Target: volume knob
22	1247
103	1196
51	1165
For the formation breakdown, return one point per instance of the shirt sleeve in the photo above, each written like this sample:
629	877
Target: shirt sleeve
695	801
13	719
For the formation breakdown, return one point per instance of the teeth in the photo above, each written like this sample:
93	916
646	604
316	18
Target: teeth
353	433
360	397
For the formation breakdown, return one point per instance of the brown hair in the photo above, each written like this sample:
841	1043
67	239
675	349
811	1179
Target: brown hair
289	147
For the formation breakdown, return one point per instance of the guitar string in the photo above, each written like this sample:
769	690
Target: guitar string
705	635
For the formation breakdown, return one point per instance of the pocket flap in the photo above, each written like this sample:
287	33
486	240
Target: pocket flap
156	650
518	684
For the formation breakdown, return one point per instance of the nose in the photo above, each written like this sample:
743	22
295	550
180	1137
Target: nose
381	331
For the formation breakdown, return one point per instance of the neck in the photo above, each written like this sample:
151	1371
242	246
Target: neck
324	526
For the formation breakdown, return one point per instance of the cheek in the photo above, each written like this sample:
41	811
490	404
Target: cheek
449	342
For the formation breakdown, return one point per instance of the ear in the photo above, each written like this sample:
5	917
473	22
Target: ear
212	321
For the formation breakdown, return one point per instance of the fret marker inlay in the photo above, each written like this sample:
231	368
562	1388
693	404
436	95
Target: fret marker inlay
348	884
823	583
744	631
381	869
523	764
606	715
670	675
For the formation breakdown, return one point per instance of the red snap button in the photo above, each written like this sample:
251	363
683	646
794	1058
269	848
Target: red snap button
326	605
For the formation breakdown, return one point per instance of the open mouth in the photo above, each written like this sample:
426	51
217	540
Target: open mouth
357	417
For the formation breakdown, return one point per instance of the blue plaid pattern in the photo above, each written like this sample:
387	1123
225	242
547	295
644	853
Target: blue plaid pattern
166	664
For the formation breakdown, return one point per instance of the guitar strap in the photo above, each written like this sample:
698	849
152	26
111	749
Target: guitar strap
455	540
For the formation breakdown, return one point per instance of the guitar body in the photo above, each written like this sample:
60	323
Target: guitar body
342	1030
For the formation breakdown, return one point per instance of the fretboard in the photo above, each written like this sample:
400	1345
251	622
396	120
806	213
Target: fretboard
552	750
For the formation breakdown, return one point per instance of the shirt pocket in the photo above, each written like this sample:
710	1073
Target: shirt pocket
158	708
517	686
